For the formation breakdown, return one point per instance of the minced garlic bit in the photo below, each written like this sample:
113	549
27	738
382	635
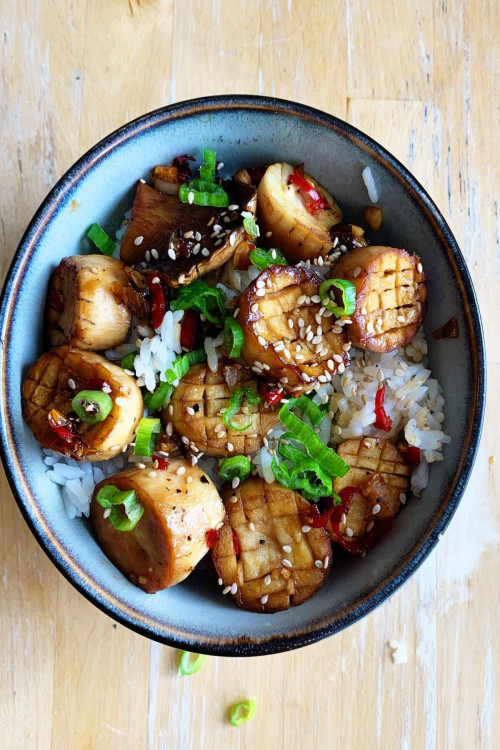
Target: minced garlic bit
399	655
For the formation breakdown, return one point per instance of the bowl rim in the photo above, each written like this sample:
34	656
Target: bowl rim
301	635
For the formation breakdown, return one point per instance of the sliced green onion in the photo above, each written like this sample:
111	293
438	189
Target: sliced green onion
206	299
305	473
128	361
313	412
235	466
101	240
265	258
327	459
233	337
207	169
190	663
251	227
237	397
348	296
110	497
203	193
159	398
181	365
92	406
147	434
241	712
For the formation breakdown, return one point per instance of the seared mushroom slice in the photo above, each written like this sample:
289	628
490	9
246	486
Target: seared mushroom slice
288	335
380	473
47	392
262	555
391	296
182	241
180	505
84	303
299	234
197	405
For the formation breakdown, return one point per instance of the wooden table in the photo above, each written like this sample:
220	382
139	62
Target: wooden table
423	79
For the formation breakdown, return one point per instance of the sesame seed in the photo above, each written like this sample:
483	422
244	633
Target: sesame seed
260	292
190	410
279	346
306	529
71	383
219	581
251	526
226	590
107	512
376	509
336	329
154	253
190	197
205	252
235	483
326	561
180	471
152	474
230	447
138	240
402	498
286	563
120	401
171	253
234	588
370	525
419	267
349	532
233	499
254	308
264	599
318	563
401	318
148	255
356	272
140	465
236	312
286	548
267	580
290	323
261	340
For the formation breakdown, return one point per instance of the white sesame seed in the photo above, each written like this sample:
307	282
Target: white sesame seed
261	340
234	588
190	197
226	590
341	368
286	563
205	252
306	529
419	267
71	383
140	465
254	308
264	599
107	512
349	532
171	253
267	580
376	509
318	563
154	253
370	327
180	471
138	240
190	410
326	561
152	474
233	207
230	447
219	581
290	323
235	483
286	548
356	272
236	312
260	292
120	401
370	525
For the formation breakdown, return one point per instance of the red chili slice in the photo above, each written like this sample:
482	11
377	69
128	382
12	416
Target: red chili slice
356	546
316	518
382	421
317	201
61	426
158	304
413	455
211	537
189	328
162	462
236	544
272	393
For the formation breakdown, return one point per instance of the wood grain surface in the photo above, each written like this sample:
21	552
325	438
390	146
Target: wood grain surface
422	78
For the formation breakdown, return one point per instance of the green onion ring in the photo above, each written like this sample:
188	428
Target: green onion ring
251	227
101	240
208	300
110	497
147	434
235	466
237	397
348	297
159	398
233	337
190	663
92	406
241	712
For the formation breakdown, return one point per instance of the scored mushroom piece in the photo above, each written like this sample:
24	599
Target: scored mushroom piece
300	233
84	305
262	555
180	506
181	241
199	401
391	296
47	393
289	336
380	473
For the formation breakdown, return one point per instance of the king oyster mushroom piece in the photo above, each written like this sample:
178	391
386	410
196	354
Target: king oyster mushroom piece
181	241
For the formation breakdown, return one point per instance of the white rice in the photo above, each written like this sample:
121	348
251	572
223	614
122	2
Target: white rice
370	184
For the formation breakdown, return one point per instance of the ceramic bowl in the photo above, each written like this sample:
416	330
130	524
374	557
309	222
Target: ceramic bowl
100	188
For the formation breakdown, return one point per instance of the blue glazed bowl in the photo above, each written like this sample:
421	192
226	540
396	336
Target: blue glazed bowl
99	188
